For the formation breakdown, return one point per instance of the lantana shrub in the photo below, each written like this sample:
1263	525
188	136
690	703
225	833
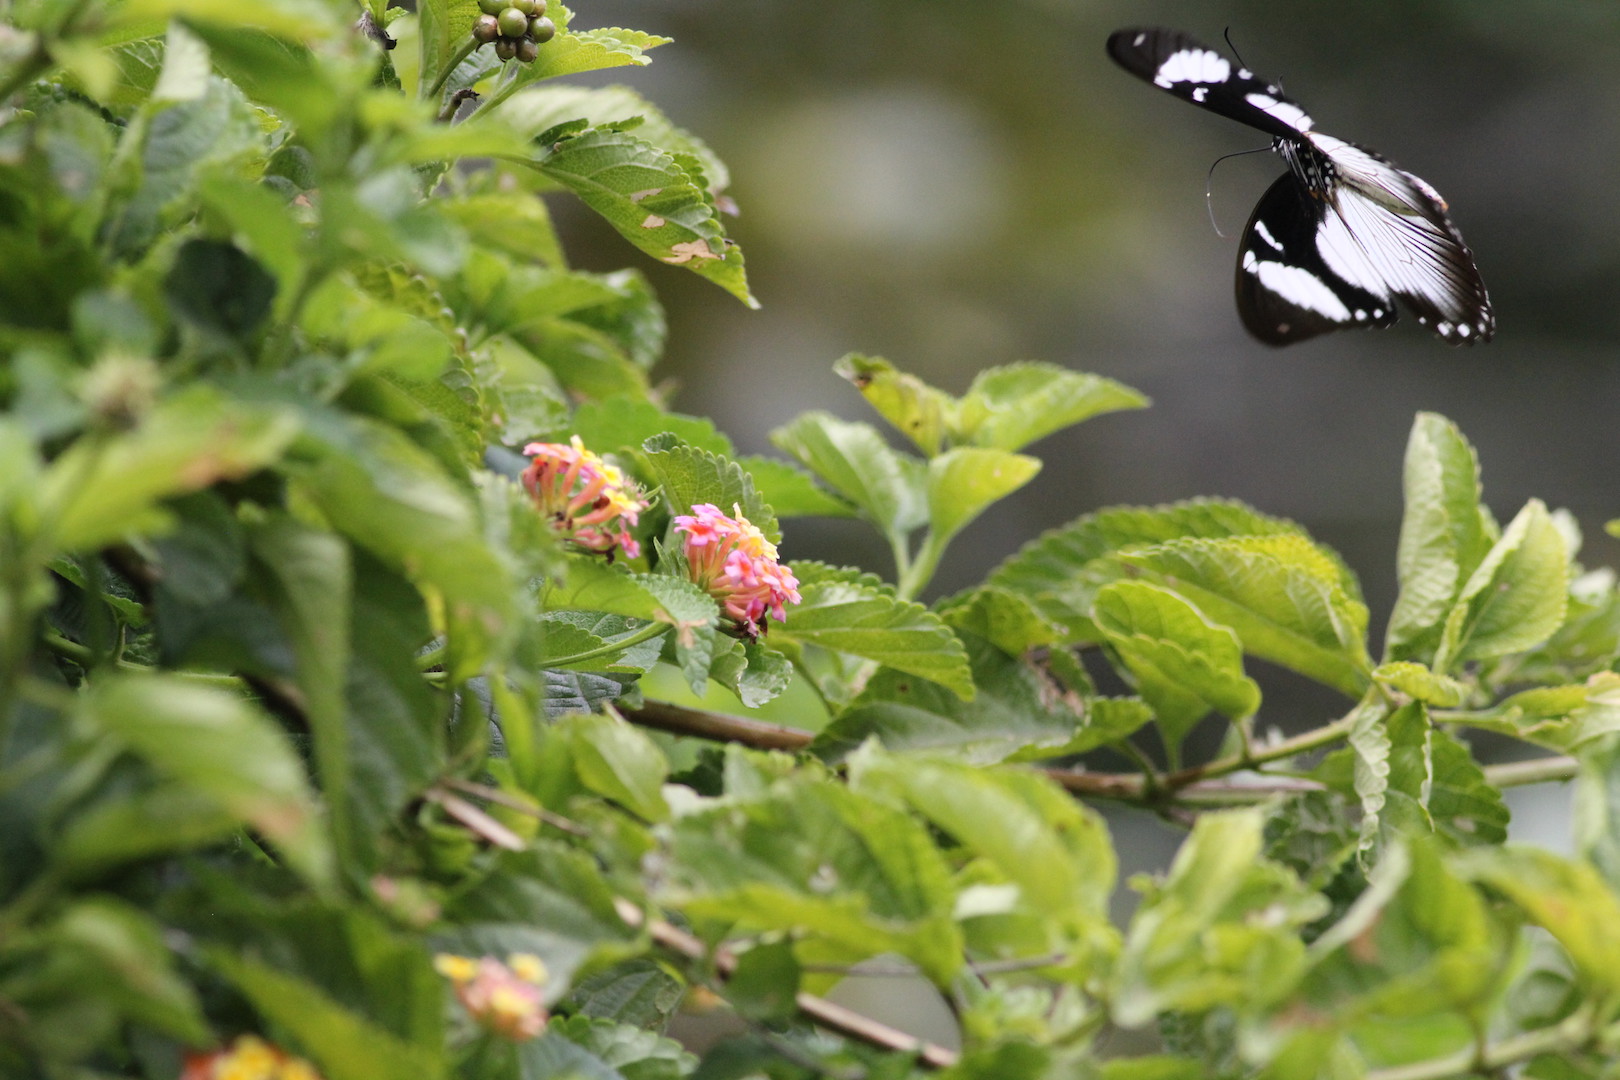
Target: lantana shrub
344	541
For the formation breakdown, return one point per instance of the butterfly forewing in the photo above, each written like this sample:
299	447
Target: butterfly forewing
1193	72
1339	238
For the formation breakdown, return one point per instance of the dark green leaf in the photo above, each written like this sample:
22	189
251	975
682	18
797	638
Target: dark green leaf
868	623
1014	712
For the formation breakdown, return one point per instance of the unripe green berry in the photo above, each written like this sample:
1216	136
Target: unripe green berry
486	28
514	24
539	8
491	7
506	48
528	52
525	6
542	30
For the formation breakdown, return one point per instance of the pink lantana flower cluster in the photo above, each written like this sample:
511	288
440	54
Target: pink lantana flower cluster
733	561
502	998
588	501
248	1058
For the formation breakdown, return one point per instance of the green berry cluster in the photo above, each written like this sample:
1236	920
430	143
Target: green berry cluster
517	27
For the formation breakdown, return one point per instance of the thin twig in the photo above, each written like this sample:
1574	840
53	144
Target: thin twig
1535	771
711	725
476	820
902	971
501	798
835	1017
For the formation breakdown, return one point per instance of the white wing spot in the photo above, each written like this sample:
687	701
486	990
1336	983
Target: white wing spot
1361	315
1298	286
1192	65
1139	39
1245	73
1283	111
1200	94
1464	330
1264	233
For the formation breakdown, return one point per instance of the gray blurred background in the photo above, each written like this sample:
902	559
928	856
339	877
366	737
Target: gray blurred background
953	185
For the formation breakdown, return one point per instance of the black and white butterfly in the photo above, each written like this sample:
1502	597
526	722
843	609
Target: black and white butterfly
1341	236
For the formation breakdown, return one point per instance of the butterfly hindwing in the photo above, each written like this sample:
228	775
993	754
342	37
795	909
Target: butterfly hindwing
1286	290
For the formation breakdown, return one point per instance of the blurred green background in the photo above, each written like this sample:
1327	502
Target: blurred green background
953	185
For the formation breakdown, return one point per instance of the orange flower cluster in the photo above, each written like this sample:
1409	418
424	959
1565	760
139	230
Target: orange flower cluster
588	500
734	562
248	1058
503	998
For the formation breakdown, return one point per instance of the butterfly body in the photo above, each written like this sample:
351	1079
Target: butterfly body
1341	237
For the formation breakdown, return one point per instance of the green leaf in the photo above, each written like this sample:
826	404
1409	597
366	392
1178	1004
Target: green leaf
1417	681
1597	806
1184	664
1199	939
1418	943
690	476
543	108
916	410
570	53
219	289
1053	570
962	483
1370	748
765	982
790	491
1055	849
1010	407
345	1045
637	992
1411	775
167	147
550	901
851	872
627	1051
1445	533
308	584
1104	721
618	762
223	748
443	31
762	675
621	423
887	488
871	624
1281	594
656	200
1515	597
1561	718
100	491
1569	899
95	953
1009	620
514	223
1013	712
1464	805
391	497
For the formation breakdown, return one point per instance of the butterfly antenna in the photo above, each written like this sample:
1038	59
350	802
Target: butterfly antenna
1209	185
1227	34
